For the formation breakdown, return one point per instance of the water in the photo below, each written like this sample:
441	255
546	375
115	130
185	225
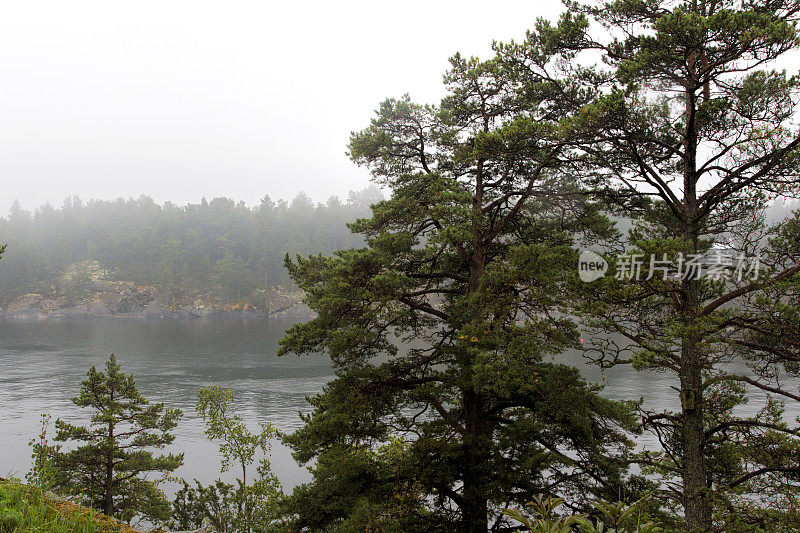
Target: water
42	364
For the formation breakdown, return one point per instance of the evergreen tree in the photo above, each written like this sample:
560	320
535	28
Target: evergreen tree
442	329
108	468
691	131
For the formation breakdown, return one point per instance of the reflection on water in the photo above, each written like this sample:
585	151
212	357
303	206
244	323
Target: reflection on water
42	363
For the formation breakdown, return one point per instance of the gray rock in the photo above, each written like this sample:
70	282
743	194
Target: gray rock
26	306
76	311
98	309
154	309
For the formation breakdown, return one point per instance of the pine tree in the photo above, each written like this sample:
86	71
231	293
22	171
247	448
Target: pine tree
443	327
108	468
691	129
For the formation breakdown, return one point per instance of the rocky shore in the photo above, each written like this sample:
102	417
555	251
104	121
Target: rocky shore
38	307
87	291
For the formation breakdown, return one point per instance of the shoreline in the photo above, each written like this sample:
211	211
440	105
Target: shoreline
114	306
211	316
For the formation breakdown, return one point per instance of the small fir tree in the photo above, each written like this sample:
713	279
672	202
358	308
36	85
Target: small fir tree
108	468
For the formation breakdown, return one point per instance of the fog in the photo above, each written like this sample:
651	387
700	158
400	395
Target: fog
180	100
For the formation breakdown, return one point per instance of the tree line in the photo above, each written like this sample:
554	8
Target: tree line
218	248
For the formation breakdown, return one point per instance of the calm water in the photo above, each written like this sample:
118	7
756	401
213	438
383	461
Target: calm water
42	364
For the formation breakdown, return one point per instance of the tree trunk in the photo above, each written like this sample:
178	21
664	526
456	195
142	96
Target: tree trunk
245	492
476	506
696	502
108	497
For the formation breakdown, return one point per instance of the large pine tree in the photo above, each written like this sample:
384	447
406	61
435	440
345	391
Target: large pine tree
447	406
691	130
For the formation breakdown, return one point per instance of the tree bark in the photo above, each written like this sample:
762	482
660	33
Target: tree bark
476	505
696	502
108	497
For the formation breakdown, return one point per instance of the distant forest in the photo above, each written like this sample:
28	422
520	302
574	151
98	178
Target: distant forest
220	248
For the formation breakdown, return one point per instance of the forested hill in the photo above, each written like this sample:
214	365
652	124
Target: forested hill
218	249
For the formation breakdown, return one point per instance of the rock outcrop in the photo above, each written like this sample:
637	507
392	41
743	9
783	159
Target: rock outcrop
85	291
37	307
135	305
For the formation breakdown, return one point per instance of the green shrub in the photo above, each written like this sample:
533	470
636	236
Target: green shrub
613	518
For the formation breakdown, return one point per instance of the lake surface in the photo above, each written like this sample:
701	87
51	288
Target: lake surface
42	364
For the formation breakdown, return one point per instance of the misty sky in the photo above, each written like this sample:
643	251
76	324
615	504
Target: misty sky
184	99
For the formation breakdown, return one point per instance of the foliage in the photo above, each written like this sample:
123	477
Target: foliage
215	249
446	327
42	473
24	508
237	444
76	286
683	121
344	487
108	468
614	518
545	519
618	518
225	507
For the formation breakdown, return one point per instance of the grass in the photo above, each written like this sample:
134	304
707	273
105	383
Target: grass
24	508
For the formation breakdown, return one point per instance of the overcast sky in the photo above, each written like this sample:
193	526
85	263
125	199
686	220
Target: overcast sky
184	99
